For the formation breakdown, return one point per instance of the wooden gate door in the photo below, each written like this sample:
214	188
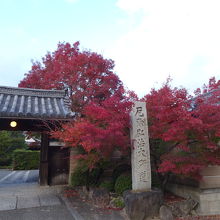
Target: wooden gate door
58	165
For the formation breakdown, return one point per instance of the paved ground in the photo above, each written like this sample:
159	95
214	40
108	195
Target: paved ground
26	196
18	177
39	213
83	210
32	202
22	198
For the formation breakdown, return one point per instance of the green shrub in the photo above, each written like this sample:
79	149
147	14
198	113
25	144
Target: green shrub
123	183
78	178
5	161
6	167
94	176
155	180
9	141
26	160
118	202
120	169
107	184
82	177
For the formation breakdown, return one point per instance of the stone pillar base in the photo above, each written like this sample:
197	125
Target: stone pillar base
142	205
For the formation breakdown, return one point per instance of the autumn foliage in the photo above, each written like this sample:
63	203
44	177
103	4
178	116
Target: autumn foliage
98	99
184	130
87	75
101	130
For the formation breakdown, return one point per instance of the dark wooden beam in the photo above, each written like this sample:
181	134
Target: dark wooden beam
44	159
30	124
22	124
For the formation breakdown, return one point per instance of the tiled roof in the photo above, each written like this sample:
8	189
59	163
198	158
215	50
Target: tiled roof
34	103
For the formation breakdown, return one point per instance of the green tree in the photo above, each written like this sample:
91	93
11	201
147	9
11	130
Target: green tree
9	141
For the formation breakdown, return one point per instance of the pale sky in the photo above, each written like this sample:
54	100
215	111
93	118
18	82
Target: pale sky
148	39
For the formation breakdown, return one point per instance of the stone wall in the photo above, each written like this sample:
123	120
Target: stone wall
211	177
73	162
208	199
207	193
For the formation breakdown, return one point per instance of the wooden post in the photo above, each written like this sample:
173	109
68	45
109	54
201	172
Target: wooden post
44	159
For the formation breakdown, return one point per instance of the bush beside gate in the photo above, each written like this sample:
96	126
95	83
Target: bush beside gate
26	160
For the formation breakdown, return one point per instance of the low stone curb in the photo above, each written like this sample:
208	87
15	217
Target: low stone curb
72	210
208	217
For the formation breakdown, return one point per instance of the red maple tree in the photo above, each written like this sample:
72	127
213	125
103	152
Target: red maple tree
184	130
97	94
101	130
87	75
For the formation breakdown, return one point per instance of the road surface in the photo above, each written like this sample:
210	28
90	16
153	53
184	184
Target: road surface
29	201
18	177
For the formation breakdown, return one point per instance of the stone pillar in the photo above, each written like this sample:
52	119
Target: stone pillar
140	152
141	202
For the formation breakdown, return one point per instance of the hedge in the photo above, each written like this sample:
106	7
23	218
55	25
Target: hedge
82	177
123	183
78	178
120	169
26	160
5	161
107	184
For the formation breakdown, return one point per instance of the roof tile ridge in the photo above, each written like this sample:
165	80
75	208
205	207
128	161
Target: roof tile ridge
32	92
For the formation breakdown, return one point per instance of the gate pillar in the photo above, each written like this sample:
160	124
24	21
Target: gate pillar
44	160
